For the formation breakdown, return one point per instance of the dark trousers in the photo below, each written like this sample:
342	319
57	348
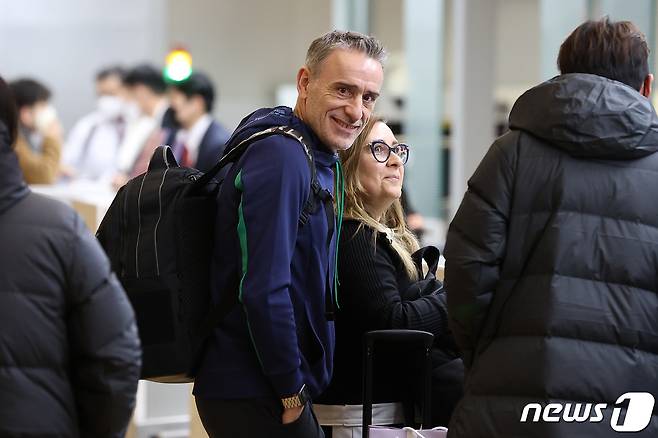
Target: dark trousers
254	418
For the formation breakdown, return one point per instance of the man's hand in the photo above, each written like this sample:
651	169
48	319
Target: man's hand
292	414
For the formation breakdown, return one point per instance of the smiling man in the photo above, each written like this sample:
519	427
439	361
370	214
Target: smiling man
274	351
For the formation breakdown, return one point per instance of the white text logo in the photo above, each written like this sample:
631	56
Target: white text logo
638	413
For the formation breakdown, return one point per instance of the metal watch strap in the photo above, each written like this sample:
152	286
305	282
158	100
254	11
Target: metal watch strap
297	400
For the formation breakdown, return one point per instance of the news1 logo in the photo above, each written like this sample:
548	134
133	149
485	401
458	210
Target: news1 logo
638	413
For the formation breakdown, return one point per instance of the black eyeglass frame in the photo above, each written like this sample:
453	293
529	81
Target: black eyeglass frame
391	149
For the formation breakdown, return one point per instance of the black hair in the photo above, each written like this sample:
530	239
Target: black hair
113	70
27	92
8	111
198	84
147	75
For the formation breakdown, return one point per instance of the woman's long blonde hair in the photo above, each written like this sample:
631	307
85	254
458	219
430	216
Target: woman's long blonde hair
404	242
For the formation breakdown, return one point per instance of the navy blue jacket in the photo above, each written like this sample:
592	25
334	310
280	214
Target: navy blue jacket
279	337
211	147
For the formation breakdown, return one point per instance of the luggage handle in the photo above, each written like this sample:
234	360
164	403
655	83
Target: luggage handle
400	336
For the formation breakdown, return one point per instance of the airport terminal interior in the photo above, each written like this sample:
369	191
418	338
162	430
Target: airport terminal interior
454	70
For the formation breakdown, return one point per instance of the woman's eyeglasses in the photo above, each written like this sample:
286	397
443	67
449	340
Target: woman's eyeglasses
381	151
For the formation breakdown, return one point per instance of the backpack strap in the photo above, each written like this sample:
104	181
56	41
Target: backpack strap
236	152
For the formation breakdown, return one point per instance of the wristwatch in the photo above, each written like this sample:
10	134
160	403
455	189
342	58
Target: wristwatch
297	400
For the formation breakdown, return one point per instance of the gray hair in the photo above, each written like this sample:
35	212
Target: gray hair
322	47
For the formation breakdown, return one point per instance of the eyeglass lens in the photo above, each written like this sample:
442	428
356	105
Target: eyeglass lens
382	151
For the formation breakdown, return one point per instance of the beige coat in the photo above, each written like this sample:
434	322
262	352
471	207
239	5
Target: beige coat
39	167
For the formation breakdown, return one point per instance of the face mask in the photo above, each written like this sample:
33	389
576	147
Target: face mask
109	106
130	110
44	117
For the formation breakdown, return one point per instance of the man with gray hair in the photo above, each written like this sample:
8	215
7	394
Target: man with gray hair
274	351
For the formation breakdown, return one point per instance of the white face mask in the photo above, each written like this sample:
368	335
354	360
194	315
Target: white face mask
109	106
130	110
44	117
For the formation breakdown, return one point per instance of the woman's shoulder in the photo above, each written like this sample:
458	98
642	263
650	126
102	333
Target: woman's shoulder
356	234
355	230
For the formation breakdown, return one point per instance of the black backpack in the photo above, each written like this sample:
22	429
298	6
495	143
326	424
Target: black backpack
158	234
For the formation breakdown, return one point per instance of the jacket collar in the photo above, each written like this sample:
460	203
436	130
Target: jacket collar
589	116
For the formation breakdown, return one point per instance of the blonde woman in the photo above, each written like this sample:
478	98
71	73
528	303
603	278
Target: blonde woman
375	270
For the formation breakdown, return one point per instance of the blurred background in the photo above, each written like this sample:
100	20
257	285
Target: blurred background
455	69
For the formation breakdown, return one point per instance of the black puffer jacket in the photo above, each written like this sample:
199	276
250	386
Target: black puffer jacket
69	351
552	263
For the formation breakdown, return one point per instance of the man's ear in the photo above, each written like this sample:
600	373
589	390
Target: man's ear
303	79
25	116
200	102
645	90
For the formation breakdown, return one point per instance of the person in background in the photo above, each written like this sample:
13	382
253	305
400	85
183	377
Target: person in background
551	257
414	220
147	88
39	141
280	337
376	276
200	141
90	152
69	350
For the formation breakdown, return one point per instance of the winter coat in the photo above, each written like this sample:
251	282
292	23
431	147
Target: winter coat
374	295
552	264
377	293
39	167
69	350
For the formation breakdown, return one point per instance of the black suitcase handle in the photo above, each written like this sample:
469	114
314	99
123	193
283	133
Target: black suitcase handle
407	337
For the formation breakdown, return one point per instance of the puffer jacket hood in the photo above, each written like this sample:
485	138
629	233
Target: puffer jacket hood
12	186
589	116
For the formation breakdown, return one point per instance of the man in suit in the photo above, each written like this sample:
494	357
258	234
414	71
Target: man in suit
201	139
148	89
